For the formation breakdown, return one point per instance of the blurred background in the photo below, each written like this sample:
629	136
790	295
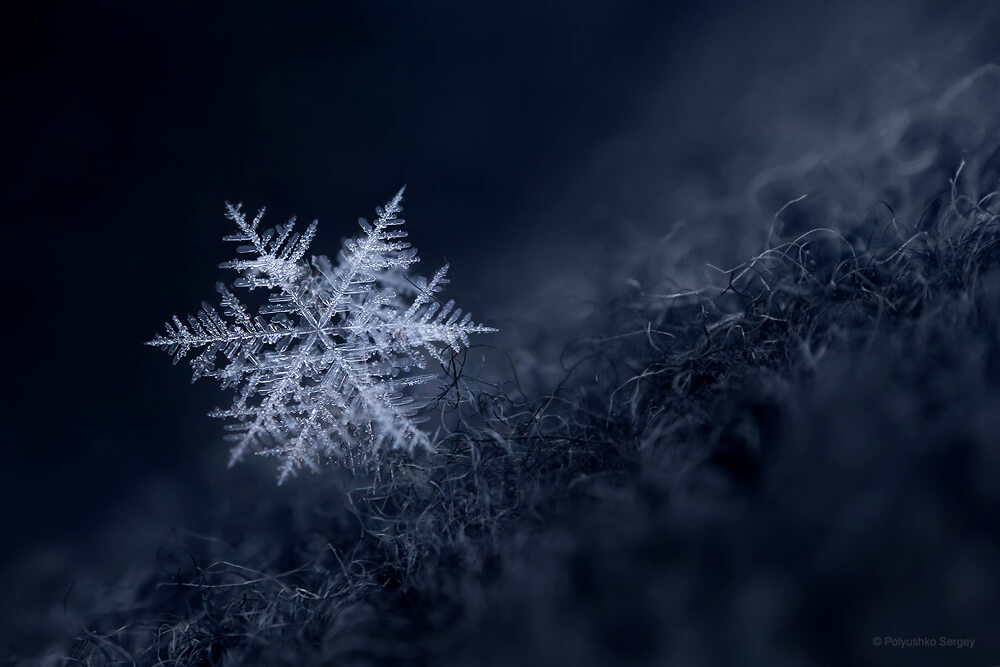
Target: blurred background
544	144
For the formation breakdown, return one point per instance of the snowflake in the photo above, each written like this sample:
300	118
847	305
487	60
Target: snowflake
325	370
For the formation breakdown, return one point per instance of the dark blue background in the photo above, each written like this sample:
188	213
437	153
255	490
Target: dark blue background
529	133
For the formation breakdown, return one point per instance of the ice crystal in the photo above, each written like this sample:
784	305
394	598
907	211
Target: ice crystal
325	369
